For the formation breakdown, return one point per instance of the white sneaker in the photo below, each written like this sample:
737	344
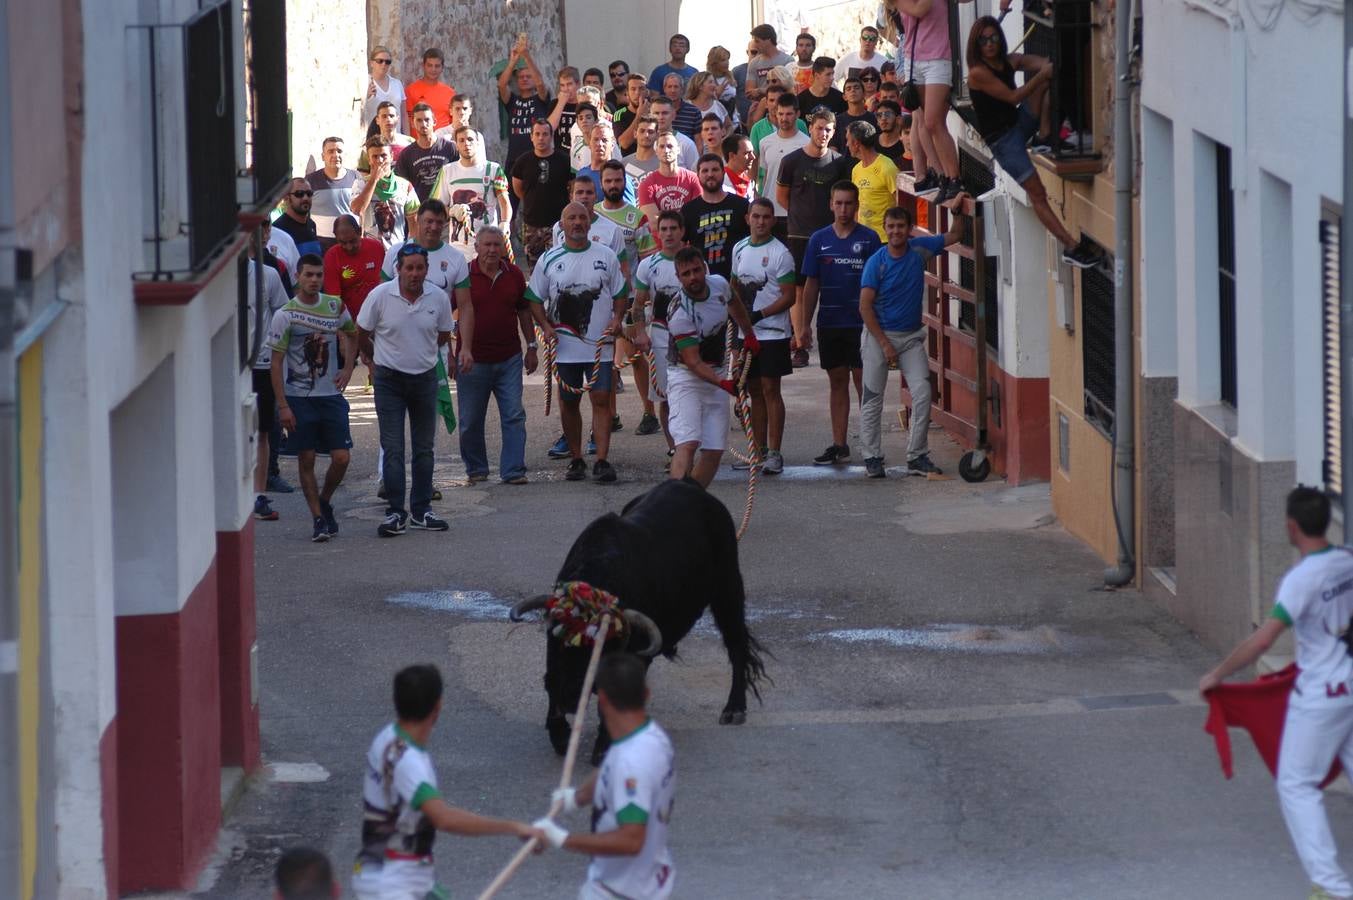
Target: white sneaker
775	463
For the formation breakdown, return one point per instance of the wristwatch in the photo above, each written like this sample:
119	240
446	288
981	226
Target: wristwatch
531	345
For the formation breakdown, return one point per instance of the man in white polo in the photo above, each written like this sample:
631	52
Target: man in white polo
400	327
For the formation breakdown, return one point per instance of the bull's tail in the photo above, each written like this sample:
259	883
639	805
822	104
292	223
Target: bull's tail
729	609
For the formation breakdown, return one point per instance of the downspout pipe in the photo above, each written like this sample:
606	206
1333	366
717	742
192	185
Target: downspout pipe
1124	413
10	868
1346	293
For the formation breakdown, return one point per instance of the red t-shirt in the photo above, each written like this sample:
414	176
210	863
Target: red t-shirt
496	304
353	275
669	192
438	96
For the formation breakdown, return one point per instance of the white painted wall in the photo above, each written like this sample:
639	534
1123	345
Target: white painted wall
1215	73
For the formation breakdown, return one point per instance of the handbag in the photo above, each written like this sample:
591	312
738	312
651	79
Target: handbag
910	95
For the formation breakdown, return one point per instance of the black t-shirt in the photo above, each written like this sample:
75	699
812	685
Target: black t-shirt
545	180
810	188
834	101
521	112
421	166
303	234
843	120
713	228
562	139
895	153
614	101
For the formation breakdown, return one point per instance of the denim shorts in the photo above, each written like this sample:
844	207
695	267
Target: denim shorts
1011	150
575	374
321	423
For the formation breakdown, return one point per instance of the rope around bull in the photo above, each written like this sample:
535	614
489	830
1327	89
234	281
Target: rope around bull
581	613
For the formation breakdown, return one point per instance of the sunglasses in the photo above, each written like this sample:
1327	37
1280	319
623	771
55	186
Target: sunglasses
871	38
620	74
302	193
869	79
985	39
383	62
412	250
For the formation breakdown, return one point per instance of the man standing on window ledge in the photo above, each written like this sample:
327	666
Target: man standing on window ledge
400	327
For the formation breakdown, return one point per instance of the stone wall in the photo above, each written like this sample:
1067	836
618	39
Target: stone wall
836	25
326	76
474	34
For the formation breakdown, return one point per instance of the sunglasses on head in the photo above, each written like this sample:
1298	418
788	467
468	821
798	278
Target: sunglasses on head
302	193
412	250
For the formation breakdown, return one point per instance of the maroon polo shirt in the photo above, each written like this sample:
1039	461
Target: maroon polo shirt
496	304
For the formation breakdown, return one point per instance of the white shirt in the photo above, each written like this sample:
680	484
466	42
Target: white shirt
281	245
405	334
602	231
277	298
773	151
699	322
636	785
395	94
853	60
656	275
399	779
1316	598
578	288
761	270
447	268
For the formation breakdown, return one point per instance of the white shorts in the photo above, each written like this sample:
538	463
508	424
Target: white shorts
697	411
933	71
657	379
397	879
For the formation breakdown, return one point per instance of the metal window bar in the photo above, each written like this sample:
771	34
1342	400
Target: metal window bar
268	144
1329	315
1226	275
1097	346
208	125
1062	32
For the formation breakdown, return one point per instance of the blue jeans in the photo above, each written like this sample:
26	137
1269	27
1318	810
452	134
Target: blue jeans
503	381
398	395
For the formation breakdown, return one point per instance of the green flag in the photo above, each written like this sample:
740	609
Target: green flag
446	406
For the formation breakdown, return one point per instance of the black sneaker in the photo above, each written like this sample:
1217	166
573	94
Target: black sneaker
928	185
616	424
648	425
922	466
873	467
577	470
798	359
1083	256
263	510
428	522
393	525
603	471
836	453
559	449
949	189
327	511
321	533
1040	143
278	485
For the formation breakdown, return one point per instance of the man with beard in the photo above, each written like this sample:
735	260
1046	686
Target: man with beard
715	220
763	278
540	182
670	187
386	202
578	294
601	143
421	162
295	220
805	45
334	186
474	190
387	126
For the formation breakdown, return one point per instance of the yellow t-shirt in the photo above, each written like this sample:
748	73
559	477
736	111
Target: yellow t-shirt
878	185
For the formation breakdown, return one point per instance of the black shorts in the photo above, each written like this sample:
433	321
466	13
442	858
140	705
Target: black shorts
798	248
267	400
837	347
772	361
321	423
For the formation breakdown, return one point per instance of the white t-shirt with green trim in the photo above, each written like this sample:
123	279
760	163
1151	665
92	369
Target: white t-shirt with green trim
636	785
657	276
1315	597
633	226
579	289
447	268
602	231
700	323
761	270
399	780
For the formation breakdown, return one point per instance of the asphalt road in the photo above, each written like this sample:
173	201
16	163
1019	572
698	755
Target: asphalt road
958	707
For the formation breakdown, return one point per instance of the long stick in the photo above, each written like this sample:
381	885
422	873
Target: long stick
570	758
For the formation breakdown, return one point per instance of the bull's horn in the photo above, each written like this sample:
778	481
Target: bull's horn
640	622
530	604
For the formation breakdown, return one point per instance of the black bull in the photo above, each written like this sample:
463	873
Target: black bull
671	553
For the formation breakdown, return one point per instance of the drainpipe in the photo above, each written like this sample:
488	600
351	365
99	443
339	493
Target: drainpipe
10	868
1346	293
1124	422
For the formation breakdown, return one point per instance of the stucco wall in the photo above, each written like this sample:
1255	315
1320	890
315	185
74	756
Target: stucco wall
474	34
326	76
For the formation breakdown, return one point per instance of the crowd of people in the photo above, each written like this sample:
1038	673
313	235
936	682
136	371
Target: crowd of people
635	222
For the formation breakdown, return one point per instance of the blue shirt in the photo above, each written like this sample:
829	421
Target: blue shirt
595	175
899	282
657	75
837	264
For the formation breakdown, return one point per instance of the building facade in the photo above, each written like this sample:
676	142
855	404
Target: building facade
151	138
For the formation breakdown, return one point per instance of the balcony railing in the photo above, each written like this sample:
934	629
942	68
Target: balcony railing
1062	31
189	105
268	145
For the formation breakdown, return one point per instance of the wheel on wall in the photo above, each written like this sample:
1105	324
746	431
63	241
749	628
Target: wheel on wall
974	466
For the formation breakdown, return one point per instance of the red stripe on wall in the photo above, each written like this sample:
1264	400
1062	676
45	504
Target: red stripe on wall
108	803
235	610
